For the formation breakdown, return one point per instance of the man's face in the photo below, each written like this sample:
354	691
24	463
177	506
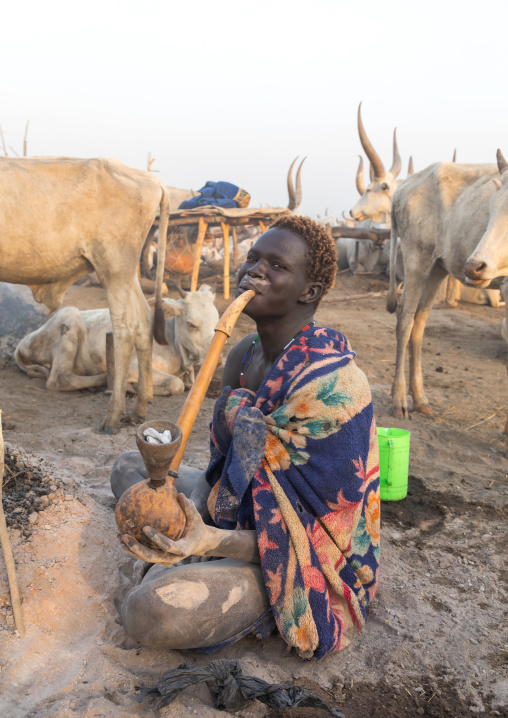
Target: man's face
276	268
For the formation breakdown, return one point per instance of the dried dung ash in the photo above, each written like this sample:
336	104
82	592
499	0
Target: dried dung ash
29	487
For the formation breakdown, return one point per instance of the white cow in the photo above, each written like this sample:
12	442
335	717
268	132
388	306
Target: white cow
451	219
376	200
69	350
61	218
374	206
363	255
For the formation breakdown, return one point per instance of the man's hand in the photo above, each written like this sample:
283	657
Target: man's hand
196	539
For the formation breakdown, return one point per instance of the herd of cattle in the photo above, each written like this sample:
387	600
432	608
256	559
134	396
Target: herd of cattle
74	216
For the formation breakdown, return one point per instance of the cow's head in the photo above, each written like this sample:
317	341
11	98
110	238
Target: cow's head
196	318
490	258
376	201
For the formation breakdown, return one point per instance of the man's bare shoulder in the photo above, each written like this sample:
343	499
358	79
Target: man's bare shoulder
231	374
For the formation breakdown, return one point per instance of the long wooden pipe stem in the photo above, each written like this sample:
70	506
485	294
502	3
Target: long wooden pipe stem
198	390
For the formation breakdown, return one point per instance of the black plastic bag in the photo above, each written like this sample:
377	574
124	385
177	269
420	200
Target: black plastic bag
231	690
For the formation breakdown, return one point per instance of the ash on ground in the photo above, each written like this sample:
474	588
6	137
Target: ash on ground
29	487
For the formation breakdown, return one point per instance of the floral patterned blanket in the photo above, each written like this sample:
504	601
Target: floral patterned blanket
299	462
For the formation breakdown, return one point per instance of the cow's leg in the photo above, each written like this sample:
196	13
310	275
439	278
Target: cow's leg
143	344
413	285
166	384
452	291
428	297
504	334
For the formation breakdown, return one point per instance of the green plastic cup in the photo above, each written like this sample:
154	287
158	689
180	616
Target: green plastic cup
393	463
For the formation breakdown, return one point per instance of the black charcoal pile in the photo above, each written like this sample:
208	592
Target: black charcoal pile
28	489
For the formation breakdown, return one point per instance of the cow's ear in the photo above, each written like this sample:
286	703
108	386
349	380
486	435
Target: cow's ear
172	307
207	288
502	164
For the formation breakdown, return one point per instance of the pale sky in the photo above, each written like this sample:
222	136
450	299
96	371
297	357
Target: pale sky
234	90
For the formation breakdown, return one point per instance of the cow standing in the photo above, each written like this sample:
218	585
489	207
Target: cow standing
451	218
374	205
61	218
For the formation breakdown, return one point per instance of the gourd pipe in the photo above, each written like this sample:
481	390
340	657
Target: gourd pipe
198	390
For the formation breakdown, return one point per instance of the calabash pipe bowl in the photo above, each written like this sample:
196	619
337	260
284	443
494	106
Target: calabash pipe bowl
153	502
158	457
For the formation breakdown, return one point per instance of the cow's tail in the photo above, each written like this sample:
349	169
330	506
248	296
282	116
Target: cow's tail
392	298
35	371
159	324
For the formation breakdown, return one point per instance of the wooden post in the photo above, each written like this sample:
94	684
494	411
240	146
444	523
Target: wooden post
262	227
7	551
197	256
225	231
24	140
235	247
375	234
110	360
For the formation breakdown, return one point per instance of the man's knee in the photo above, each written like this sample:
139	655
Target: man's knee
128	469
146	619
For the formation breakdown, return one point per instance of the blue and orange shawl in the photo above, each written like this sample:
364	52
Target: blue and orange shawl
298	461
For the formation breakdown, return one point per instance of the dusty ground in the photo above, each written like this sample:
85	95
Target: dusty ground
436	642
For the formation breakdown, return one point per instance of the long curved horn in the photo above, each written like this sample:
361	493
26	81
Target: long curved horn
291	189
298	194
410	168
359	177
379	170
397	164
454	158
181	291
502	164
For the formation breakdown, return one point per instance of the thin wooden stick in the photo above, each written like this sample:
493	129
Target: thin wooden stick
7	551
225	232
480	422
24	139
202	227
3	141
352	297
110	360
375	234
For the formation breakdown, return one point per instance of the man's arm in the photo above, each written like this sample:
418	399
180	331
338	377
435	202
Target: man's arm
197	539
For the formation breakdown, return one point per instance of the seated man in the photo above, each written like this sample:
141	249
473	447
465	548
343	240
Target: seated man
292	488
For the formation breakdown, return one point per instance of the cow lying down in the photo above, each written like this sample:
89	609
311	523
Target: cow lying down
69	350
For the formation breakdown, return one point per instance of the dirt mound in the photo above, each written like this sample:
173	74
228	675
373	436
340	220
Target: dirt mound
28	489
